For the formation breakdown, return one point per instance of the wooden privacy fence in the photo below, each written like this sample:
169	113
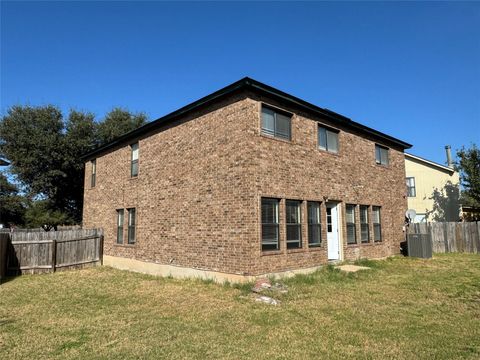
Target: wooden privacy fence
37	252
450	236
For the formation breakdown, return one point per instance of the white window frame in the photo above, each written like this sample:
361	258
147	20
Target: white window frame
274	132
329	133
409	181
120	225
132	226
382	155
377	223
135	154
93	179
364	225
314	223
294	243
351	224
276	224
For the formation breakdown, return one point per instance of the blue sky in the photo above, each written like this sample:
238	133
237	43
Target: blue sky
411	70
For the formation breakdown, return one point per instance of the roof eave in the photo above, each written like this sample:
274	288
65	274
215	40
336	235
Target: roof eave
171	116
431	163
326	113
247	84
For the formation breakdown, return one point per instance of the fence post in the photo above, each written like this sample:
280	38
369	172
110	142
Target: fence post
476	237
54	254
100	250
4	239
445	237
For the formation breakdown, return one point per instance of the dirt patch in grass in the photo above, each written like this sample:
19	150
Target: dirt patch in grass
402	308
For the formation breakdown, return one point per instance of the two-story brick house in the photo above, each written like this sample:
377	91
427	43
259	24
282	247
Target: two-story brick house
246	181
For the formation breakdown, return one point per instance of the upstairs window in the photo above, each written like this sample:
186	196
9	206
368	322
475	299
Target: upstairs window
381	155
270	225
364	230
134	160
93	179
120	226
131	226
327	139
276	124
411	191
351	228
377	226
314	224
294	226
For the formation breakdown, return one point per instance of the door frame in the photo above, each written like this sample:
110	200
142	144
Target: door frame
339	207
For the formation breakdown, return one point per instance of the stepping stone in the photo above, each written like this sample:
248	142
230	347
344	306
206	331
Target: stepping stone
267	300
351	268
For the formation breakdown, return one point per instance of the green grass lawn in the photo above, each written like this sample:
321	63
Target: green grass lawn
402	308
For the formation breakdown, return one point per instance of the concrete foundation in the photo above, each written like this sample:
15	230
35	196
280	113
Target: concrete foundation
184	272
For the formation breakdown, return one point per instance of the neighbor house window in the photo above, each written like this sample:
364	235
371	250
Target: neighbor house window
381	155
276	124
120	226
350	220
134	164
328	139
377	226
411	192
294	226
314	224
364	231
270	225
94	173
131	226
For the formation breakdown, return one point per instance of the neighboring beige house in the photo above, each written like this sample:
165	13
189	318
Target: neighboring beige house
432	189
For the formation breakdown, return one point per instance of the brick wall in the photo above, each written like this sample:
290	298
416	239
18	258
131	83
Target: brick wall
201	179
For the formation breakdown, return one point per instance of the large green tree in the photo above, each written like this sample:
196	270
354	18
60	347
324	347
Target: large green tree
45	151
79	137
118	122
41	214
31	138
12	205
468	164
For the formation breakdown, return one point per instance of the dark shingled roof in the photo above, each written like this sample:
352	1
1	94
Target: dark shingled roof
248	84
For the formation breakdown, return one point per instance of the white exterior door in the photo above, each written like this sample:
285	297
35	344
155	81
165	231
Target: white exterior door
333	241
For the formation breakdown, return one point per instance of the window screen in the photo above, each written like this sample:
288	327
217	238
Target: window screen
381	155
377	226
93	179
294	227
134	165
131	226
270	226
314	224
327	139
411	191
350	220
120	226
364	230
276	124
